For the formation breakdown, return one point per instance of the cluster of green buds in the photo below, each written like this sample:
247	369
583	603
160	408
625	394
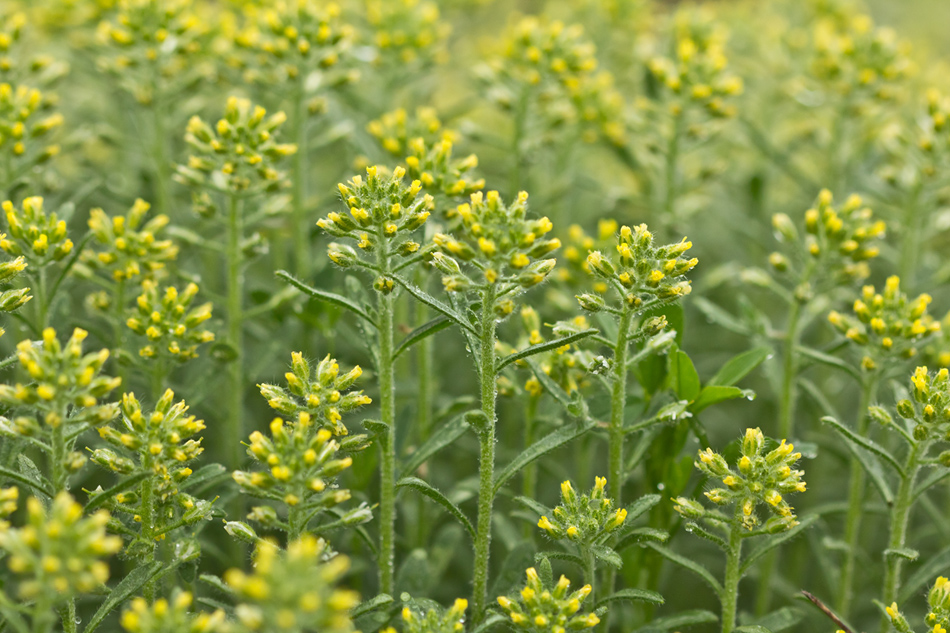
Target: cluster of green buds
407	31
500	242
641	272
383	211
396	129
158	445
853	58
434	620
697	74
542	610
587	518
66	388
320	393
301	466
169	323
938	351
887	324
930	406
11	300
565	365
290	39
293	591
147	41
165	615
838	240
59	552
23	132
578	244
759	478
937	619
128	248
240	154
18	64
38	236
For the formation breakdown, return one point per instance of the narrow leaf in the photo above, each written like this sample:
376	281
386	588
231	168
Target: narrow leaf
685	379
537	508
39	486
774	542
423	487
445	435
565	556
608	555
99	497
864	443
443	309
641	535
127	587
738	367
633	595
423	331
543	446
714	394
689	564
368	606
641	506
544	347
829	360
924	574
206	475
549	385
490	622
781	619
680	620
329	297
903	552
931	480
752	628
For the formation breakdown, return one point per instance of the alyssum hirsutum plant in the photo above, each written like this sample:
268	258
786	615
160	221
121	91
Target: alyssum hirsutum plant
381	316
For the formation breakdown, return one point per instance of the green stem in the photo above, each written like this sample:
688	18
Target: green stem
790	371
852	529
899	519
159	375
148	528
58	456
118	328
160	155
529	476
486	466
910	242
69	616
670	184
233	431
387	405
295	526
42	301
590	569
730	585
299	226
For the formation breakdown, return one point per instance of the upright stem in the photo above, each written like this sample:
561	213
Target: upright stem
910	243
730	585
852	528
160	155
486	467
529	476
294	523
118	327
58	457
69	617
148	528
589	572
387	397
234	429
790	371
670	183
299	216
42	301
899	519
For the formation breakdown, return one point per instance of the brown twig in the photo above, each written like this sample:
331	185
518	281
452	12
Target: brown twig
827	611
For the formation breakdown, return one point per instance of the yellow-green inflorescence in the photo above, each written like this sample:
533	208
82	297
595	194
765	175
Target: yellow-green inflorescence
15	298
170	616
320	392
888	324
172	328
129	246
542	610
640	271
434	620
240	154
59	553
586	518
498	241
929	407
760	477
38	236
294	590
24	128
937	618
407	31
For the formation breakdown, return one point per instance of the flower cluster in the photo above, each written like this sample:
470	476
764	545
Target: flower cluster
541	610
240	154
759	478
641	271
698	71
19	62
290	39
14	299
888	324
578	244
930	407
294	591
407	31
451	620
128	248
587	518
166	319
164	616
565	365
8	499
501	242
937	619
321	394
22	131
158	445
395	129
381	210
842	239
38	236
59	554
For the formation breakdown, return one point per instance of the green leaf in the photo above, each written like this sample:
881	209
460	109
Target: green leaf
671	412
739	366
689	564
127	587
490	622
829	360
329	297
683	377
931	480
445	435
678	621
714	394
20	478
368	606
423	487
638	536
641	506
550	386
633	595
544	347
8	361
752	628
781	619
924	574
206	476
906	553
423	331
864	443
608	555
99	497
565	556
535	507
435	304
775	541
543	446
217	583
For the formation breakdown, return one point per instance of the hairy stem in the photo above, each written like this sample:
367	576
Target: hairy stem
160	154
233	430
730	585
299	225
899	518
910	242
529	476
387	405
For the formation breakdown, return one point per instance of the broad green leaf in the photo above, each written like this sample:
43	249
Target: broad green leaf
381	601
714	394
491	621
543	446
423	487
633	595
127	587
544	347
641	506
689	564
683	377
423	331
864	443
537	508
329	297
738	367
443	436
